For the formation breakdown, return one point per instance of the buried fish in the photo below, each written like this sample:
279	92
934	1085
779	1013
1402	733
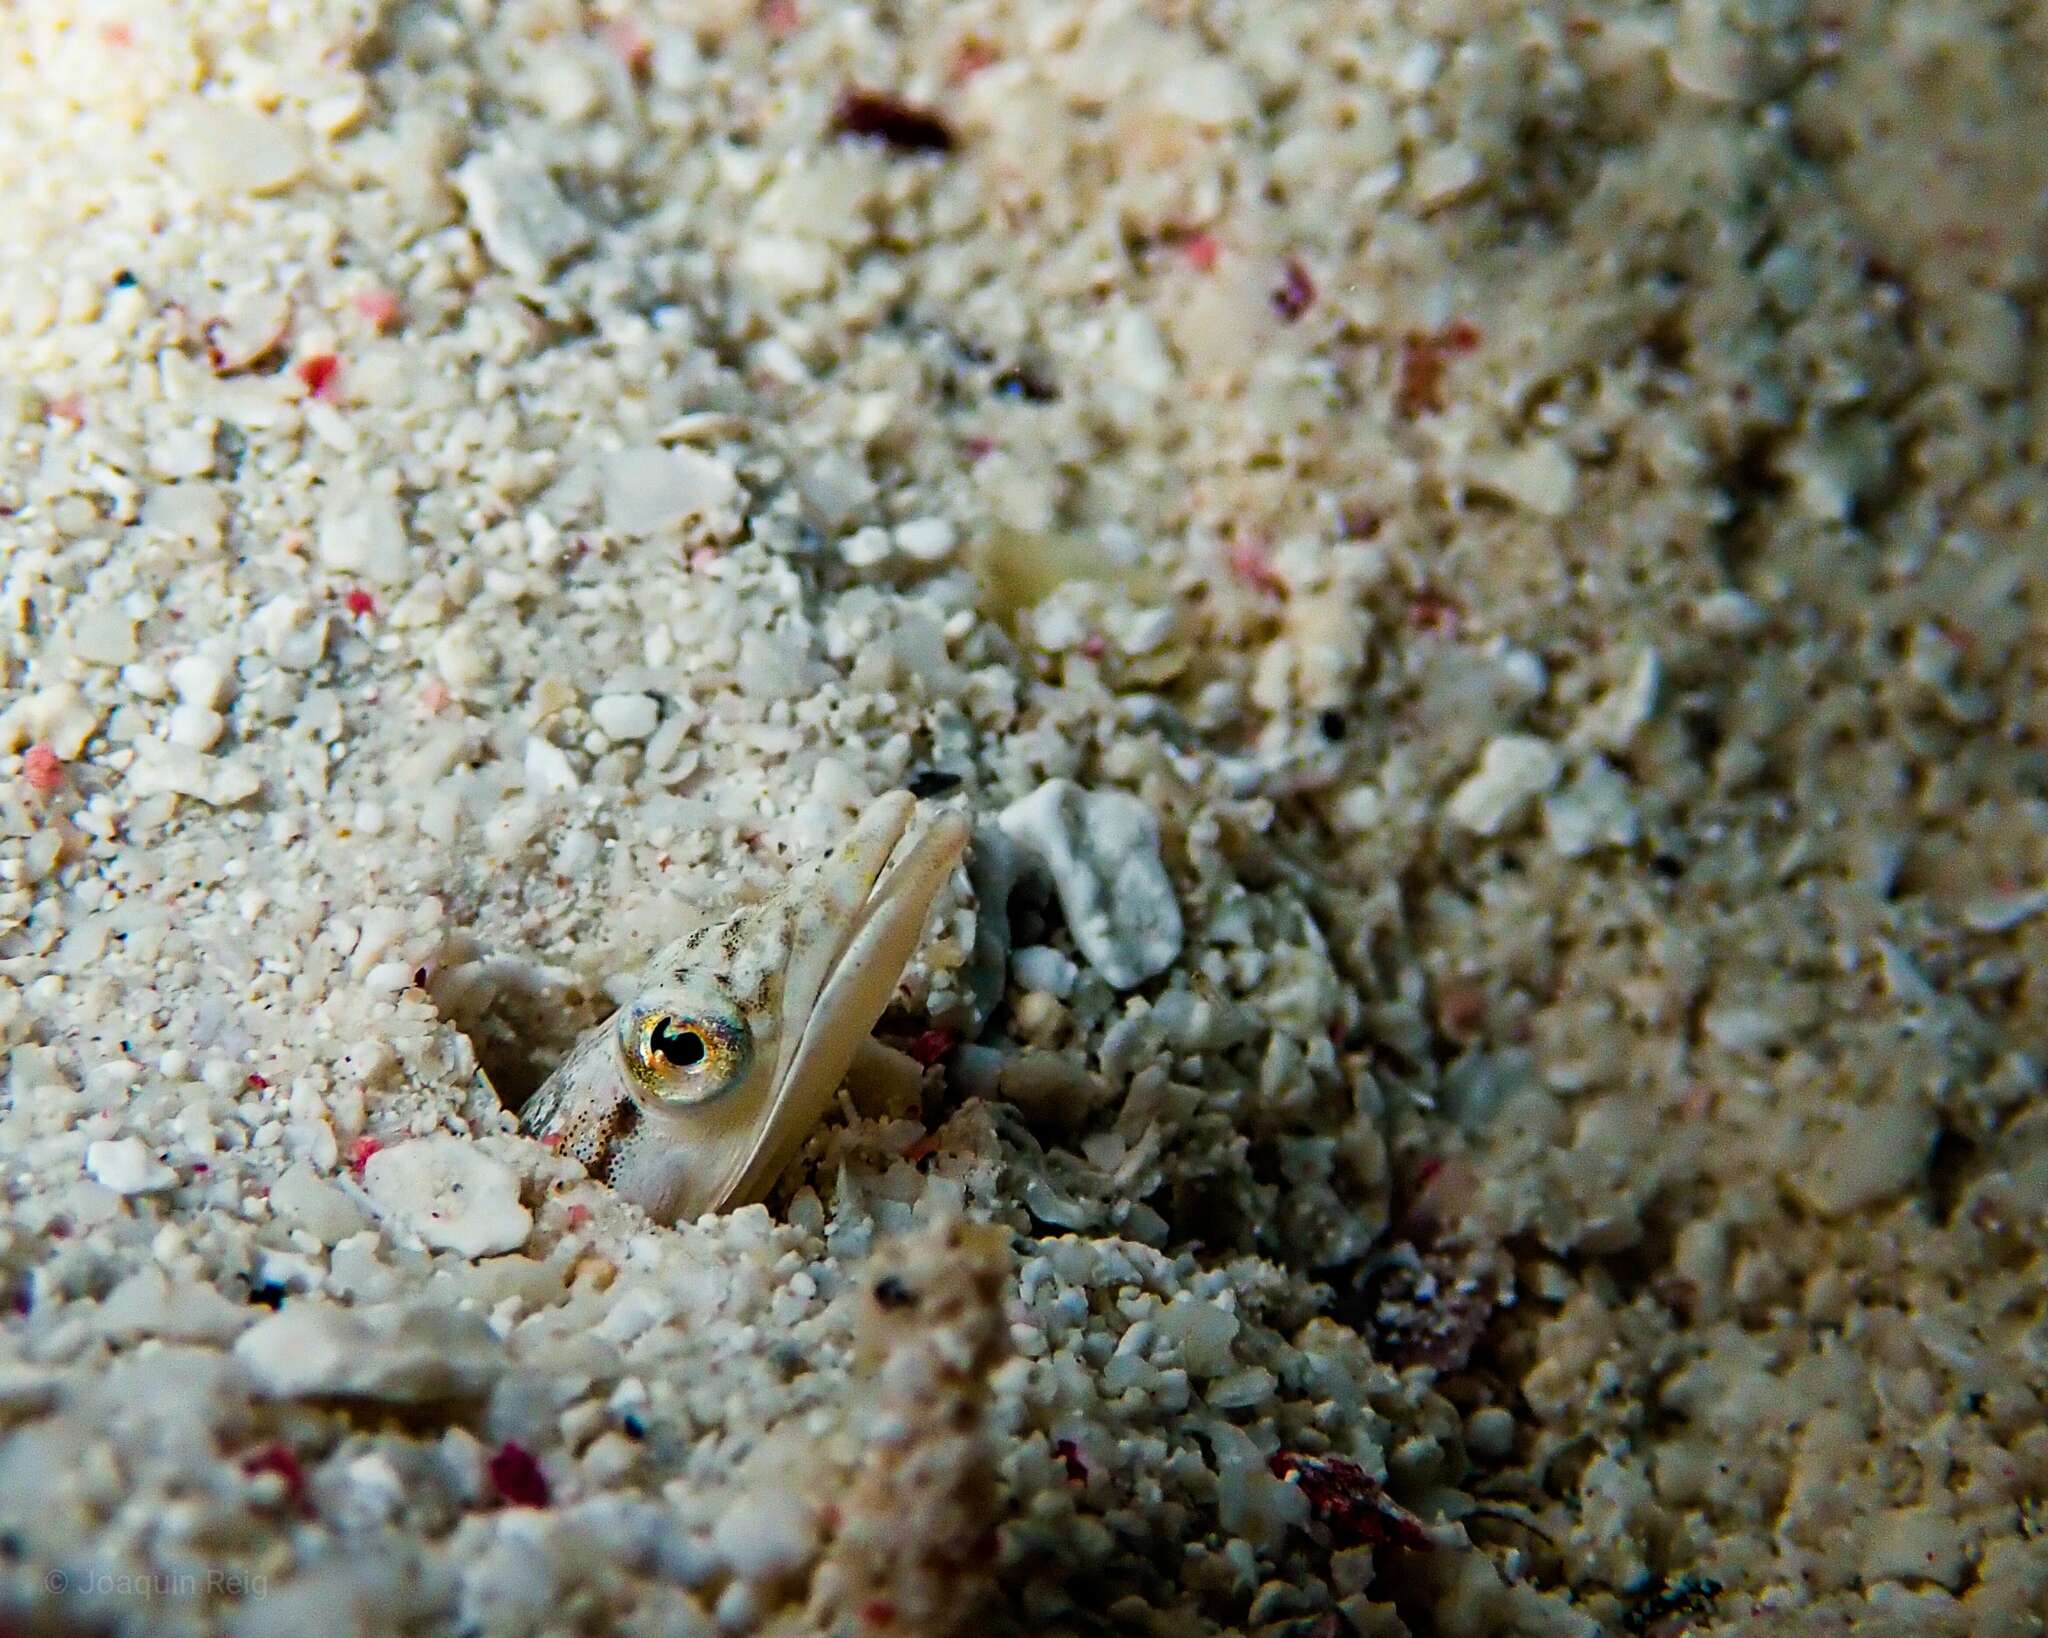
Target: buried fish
694	1095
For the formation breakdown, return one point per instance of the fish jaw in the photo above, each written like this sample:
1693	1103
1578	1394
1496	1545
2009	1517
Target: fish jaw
874	937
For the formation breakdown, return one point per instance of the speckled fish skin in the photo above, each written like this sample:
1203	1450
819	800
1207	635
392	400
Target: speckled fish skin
694	1095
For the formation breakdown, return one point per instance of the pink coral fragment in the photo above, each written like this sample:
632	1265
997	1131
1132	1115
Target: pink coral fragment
517	1477
1250	561
42	768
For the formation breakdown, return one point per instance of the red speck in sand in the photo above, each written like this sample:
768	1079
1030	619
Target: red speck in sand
878	1612
319	374
42	768
629	45
434	695
70	408
932	1045
517	1476
552	1141
972	57
1296	293
1460	1010
380	307
1434	614
1094	645
879	116
359	1153
1349	1502
978	447
779	18
1251	563
579	1214
1200	251
117	34
258	1082
1419	376
280	1459
360	602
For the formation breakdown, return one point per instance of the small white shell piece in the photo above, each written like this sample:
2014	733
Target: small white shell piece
1102	851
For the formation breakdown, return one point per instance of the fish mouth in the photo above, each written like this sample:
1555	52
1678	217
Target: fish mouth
898	883
877	893
879	931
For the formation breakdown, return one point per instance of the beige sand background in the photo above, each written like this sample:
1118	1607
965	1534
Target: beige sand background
1534	514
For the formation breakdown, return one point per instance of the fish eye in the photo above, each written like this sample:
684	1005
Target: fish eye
686	1057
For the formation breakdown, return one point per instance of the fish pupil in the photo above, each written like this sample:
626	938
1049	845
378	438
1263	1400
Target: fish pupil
683	1048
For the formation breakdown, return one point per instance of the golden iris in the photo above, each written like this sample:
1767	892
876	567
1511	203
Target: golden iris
688	1058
